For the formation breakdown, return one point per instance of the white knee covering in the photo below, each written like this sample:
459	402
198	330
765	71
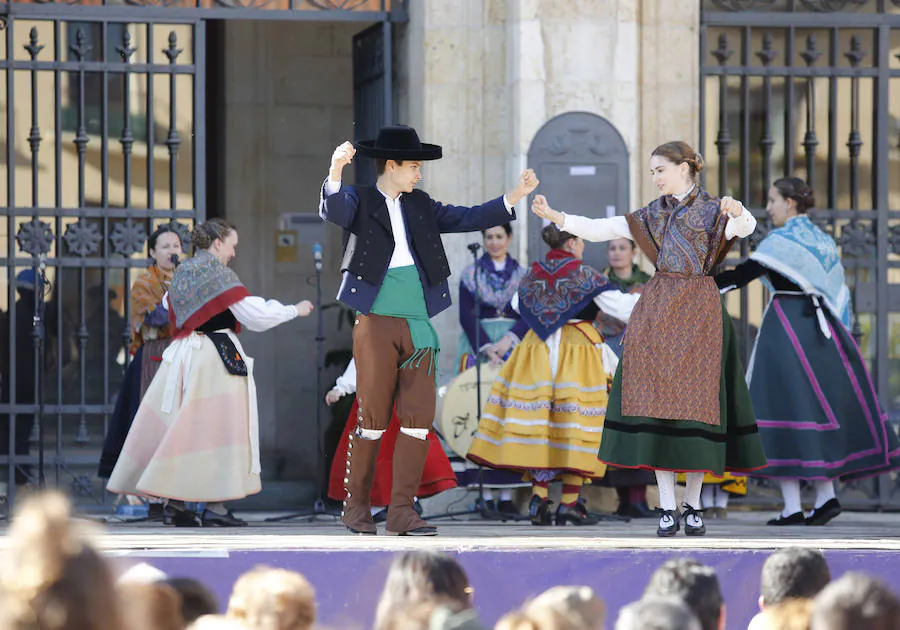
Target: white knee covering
665	481
693	486
369	434
419	434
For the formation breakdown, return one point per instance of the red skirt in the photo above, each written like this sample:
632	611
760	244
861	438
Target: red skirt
436	477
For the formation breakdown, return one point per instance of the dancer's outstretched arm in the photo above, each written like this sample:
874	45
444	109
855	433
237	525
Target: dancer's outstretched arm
588	229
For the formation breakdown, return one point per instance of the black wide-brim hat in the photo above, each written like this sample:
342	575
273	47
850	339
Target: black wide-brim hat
398	142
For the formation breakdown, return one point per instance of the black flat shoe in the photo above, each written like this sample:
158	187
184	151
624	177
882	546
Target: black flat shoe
693	530
490	512
156	513
571	514
796	518
635	510
508	508
539	511
380	516
214	519
181	518
668	523
821	515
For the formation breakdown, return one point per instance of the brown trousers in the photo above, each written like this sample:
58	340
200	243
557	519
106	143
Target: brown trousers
380	345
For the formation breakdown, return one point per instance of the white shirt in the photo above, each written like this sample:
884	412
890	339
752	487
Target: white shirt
255	313
401	257
601	230
346	382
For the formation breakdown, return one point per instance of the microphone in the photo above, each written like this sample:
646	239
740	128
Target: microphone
42	265
317	256
175	260
473	247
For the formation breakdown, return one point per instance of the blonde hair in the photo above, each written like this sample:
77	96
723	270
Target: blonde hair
55	579
273	599
573	602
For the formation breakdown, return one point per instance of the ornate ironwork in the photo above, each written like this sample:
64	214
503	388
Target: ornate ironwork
857	239
894	238
35	237
742	5
83	237
128	237
832	6
336	5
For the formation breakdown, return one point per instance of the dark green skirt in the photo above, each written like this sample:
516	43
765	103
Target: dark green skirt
685	445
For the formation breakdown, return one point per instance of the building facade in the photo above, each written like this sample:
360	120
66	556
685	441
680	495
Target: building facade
124	114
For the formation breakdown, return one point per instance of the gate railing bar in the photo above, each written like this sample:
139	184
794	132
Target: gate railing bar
170	15
11	271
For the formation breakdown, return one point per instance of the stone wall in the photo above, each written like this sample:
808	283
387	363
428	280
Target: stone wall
481	78
288	103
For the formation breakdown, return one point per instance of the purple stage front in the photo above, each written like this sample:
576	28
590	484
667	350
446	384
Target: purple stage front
509	563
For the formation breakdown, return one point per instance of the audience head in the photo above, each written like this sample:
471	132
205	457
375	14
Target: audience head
693	583
417	576
151	606
792	573
578	603
273	599
196	599
55	579
855	601
657	613
788	614
437	613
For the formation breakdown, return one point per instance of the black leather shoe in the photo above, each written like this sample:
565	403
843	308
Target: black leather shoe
181	518
796	518
425	530
571	514
380	516
635	510
156	513
539	511
693	530
668	523
490	512
507	508
821	515
214	519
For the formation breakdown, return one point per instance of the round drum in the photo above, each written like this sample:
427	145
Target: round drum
457	414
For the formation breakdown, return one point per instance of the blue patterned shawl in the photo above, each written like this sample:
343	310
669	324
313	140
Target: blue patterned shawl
808	257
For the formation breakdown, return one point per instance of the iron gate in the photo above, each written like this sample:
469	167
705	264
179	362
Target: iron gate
812	88
104	141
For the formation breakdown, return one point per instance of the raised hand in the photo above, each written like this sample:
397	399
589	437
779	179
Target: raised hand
731	206
542	209
304	308
341	157
528	181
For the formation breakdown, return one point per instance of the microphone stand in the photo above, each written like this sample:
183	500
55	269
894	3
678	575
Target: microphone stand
41	282
480	504
319	508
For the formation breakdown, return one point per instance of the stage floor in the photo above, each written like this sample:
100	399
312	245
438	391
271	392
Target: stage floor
741	530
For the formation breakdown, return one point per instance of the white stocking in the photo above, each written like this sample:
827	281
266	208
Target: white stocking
790	491
694	482
665	480
824	492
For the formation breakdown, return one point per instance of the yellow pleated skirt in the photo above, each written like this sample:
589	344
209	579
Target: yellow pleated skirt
533	421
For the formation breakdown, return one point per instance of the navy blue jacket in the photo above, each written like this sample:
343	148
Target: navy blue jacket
363	213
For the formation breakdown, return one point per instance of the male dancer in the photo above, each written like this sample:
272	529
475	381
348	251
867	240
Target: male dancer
395	275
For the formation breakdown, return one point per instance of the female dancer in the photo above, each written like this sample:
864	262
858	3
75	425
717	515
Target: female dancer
491	284
545	412
818	415
195	437
151	334
679	402
437	475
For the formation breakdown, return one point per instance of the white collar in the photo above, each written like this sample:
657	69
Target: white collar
683	195
386	196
